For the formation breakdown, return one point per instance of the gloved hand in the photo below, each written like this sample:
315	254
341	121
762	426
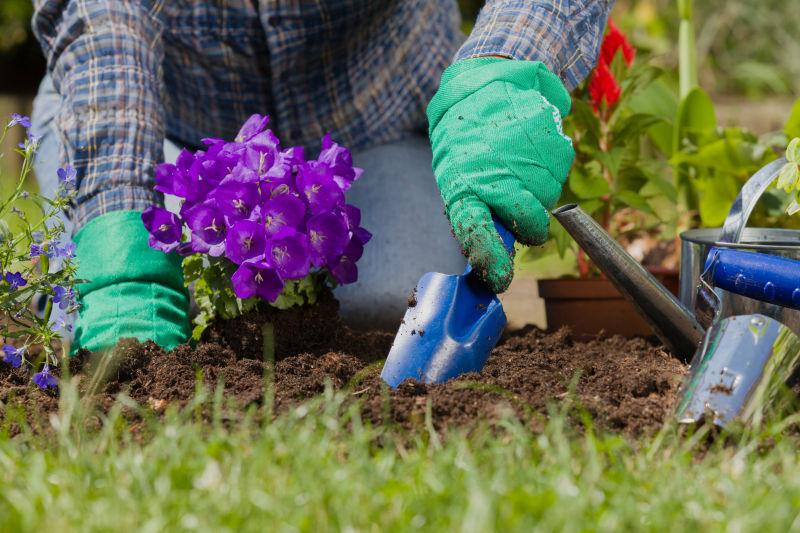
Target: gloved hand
498	147
131	289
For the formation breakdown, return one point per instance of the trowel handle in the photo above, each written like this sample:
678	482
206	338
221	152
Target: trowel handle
763	277
507	236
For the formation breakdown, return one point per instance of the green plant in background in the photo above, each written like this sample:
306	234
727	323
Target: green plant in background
36	266
15	16
789	177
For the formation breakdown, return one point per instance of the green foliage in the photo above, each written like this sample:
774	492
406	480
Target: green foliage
789	177
209	278
15	18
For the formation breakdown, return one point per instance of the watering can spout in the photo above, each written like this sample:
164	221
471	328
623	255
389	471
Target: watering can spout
673	323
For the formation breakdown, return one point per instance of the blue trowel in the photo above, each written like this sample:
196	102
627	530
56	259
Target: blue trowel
450	326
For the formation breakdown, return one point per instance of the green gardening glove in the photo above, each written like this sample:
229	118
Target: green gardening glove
498	147
131	289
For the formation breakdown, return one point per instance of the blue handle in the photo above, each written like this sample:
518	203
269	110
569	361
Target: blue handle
768	278
507	236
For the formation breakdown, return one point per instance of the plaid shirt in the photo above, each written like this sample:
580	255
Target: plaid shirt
132	72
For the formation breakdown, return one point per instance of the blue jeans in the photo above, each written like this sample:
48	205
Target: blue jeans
399	202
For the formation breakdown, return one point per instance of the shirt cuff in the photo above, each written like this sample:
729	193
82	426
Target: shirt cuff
122	198
565	36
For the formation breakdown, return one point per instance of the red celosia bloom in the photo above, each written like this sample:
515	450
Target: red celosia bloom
603	86
614	41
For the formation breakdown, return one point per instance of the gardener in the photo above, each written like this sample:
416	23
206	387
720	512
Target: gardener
130	81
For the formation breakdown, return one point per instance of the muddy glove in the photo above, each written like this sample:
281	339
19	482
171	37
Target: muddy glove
132	290
498	147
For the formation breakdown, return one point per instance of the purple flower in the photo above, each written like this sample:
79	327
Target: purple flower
315	182
344	269
340	161
15	280
63	296
353	215
252	127
13	356
37	250
256	279
45	379
171	180
236	199
245	240
206	222
164	228
66	177
60	324
282	211
64	252
37	236
258	161
288	253
327	236
17	119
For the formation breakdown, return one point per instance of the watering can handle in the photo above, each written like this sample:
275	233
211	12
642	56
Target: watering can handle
768	278
746	200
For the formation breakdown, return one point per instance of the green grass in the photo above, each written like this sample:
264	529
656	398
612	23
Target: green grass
319	468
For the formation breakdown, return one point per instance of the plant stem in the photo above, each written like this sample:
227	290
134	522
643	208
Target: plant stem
687	49
268	341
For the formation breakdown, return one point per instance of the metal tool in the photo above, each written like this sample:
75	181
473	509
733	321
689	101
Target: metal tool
672	322
450	326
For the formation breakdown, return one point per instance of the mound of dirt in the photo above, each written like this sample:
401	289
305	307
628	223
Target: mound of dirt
627	385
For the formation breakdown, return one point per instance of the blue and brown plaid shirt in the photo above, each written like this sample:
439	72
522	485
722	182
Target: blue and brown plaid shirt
132	72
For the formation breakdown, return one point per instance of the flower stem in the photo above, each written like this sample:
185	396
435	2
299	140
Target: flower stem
268	341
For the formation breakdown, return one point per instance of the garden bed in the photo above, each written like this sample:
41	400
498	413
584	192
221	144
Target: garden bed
626	385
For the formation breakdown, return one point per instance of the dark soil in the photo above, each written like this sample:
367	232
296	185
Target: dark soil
626	385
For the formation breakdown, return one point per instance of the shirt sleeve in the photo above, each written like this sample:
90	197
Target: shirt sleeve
105	57
564	35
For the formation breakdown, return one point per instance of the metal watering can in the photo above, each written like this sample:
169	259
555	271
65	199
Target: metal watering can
737	319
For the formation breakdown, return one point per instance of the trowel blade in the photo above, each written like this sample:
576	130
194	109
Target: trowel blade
738	370
451	325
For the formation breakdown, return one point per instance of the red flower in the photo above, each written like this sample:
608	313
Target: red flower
614	41
603	86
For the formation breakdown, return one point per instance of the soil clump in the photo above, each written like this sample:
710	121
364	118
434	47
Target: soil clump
626	385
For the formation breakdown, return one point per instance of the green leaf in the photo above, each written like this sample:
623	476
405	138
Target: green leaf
792	127
793	151
659	187
562	239
631	127
611	159
582	119
587	184
788	176
634	200
192	268
695	114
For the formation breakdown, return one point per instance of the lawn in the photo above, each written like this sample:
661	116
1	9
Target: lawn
319	468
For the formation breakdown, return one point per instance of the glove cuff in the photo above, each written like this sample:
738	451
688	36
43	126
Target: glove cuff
113	249
466	77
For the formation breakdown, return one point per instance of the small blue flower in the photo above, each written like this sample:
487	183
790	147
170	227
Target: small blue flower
15	280
31	143
37	250
37	236
45	379
66	176
65	252
60	324
63	296
12	355
22	120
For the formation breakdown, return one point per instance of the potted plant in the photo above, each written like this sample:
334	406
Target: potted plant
263	230
650	162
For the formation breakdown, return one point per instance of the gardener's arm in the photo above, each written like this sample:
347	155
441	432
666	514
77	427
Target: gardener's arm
105	60
495	123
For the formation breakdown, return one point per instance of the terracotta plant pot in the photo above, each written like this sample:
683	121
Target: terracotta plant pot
589	306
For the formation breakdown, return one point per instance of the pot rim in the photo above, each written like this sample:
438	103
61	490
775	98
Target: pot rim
752	238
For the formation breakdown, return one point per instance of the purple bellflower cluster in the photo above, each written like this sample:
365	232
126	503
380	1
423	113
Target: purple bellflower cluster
271	212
